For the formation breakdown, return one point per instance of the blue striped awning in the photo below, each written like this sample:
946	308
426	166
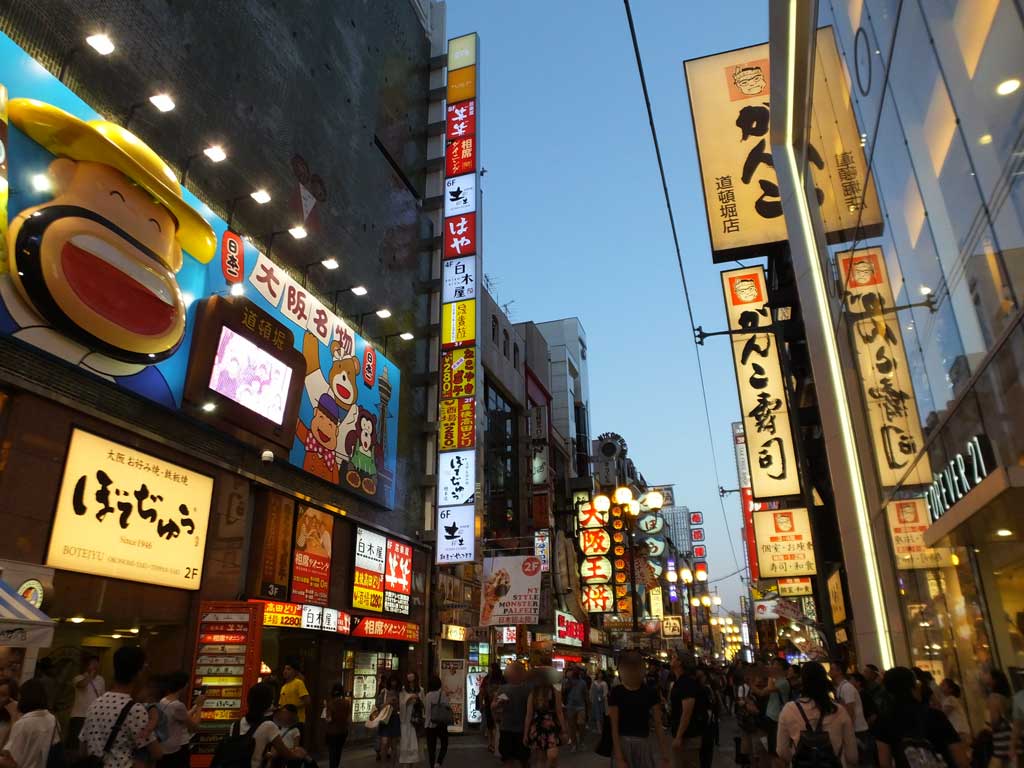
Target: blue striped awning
21	623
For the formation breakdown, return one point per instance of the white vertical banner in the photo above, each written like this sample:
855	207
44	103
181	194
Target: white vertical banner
453	684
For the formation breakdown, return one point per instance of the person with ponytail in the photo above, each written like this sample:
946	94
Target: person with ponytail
816	705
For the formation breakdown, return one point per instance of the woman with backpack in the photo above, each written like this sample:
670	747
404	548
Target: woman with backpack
439	717
909	731
813	731
181	722
253	738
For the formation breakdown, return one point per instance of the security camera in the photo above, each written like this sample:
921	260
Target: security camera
267	457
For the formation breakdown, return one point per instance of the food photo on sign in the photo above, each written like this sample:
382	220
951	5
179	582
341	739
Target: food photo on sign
280	368
511	591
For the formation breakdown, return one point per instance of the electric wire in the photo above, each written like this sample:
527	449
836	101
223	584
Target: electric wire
682	275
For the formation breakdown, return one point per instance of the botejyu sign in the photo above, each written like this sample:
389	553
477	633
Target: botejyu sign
959	476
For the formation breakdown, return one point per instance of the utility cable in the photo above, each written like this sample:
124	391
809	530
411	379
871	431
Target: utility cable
682	275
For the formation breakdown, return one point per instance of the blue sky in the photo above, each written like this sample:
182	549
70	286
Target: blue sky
575	222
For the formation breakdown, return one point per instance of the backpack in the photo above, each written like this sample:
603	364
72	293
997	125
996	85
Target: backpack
236	749
915	750
441	712
814	750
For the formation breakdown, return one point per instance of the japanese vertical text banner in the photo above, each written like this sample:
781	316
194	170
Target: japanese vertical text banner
511	592
762	388
882	363
729	95
461	267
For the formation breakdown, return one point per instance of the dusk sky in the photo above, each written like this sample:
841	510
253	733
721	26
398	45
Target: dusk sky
575	221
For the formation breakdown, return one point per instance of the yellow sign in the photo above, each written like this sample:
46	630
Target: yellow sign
282	615
771	453
908	520
461	52
785	546
461	84
453	632
128	515
835	597
458	323
884	371
729	95
368	590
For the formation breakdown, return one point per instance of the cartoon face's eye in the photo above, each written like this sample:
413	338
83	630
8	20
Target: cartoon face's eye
156	224
115	193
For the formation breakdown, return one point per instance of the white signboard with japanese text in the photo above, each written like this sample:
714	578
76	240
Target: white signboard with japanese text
453	684
125	514
371	550
460	194
785	546
511	591
456	540
729	100
456	478
762	389
908	520
458	279
884	371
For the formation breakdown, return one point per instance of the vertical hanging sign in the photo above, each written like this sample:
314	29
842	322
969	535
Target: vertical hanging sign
762	389
461	266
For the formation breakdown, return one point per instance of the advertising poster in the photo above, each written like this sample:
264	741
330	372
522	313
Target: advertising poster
908	520
128	515
311	571
784	543
347	422
457	428
382	577
511	591
458	324
456	542
474	682
456	481
453	683
458	373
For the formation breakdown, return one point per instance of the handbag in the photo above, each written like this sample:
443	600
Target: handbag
604	744
380	717
56	756
441	712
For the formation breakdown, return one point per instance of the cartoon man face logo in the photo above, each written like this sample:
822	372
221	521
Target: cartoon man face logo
862	272
906	513
746	290
783	522
98	261
749	80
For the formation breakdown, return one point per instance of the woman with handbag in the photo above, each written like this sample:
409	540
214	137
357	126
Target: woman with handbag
391	728
34	733
439	717
410	706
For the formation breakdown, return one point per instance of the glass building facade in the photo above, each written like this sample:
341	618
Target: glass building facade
936	87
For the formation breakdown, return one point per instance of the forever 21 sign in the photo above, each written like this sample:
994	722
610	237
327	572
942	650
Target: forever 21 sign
963	472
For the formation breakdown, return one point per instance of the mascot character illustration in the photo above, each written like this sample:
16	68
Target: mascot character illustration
320	440
92	276
361	448
339	384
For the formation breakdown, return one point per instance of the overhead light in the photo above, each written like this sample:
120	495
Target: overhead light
76	619
695	602
601	503
298	232
209	407
41	182
702	575
1007	87
359	290
162	101
383	313
330	263
237	289
671	576
1004	532
101	43
716	600
216	153
623	495
986	139
261	196
954	559
134	630
926	291
686	575
406	336
116	635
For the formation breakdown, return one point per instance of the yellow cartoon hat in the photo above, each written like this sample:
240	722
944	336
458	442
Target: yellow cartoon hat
100	141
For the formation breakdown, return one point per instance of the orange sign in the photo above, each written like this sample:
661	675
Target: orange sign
282	615
461	84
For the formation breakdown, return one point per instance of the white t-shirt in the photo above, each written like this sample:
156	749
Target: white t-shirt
86	695
848	694
263	737
177	731
31	738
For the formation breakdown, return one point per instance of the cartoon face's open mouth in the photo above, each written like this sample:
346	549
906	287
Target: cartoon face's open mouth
118	286
343	392
322	436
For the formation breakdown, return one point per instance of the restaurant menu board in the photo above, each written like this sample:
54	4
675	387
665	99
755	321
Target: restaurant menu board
383	573
227	664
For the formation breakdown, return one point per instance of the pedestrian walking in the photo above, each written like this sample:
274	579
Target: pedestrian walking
545	720
509	708
907	723
574	694
489	688
391	729
412	718
339	718
181	722
439	717
294	692
848	695
831	741
598	701
34	733
631	707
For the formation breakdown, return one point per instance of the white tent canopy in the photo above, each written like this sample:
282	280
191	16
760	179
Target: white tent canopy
22	625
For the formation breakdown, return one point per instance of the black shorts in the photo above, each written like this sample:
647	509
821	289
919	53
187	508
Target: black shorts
511	747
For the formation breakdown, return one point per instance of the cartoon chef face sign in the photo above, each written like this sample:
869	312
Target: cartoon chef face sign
783	522
98	261
749	79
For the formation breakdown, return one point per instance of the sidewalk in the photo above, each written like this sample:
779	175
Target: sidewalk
468	751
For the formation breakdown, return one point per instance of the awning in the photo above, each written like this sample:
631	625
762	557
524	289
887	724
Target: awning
22	624
993	504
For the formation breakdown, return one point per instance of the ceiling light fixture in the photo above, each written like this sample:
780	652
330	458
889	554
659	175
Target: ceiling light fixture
101	43
330	263
162	101
359	290
77	619
209	407
1004	533
261	196
298	232
406	336
216	153
383	313
985	139
1007	87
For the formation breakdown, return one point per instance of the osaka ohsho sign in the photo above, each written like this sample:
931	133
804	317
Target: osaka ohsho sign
511	592
762	388
729	99
128	515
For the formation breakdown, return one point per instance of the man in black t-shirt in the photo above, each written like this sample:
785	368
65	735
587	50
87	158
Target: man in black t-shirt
687	716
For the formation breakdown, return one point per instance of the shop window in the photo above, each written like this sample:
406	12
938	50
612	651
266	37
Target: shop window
494	329
515	356
504	343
